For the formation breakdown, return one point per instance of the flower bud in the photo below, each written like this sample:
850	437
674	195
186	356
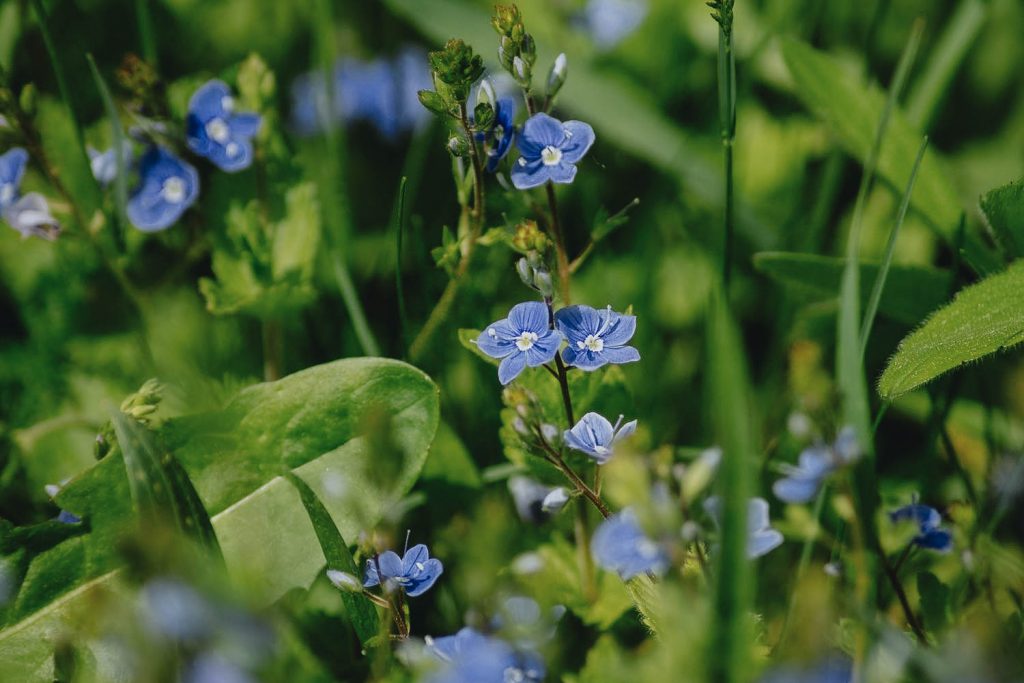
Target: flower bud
483	116
485	93
555	500
552	434
528	49
27	100
525	272
457	146
432	102
521	70
519	424
542	281
344	581
556	77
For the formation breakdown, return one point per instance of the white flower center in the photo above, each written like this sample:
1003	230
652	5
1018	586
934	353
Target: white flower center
231	149
551	155
6	193
525	341
227	103
218	131
513	675
591	343
173	190
646	548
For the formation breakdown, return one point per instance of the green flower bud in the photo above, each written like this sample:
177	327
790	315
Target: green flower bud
433	102
483	116
457	67
556	77
457	146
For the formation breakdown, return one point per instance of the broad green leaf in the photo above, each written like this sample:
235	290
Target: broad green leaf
1003	208
160	488
363	614
984	318
911	292
852	110
732	408
322	423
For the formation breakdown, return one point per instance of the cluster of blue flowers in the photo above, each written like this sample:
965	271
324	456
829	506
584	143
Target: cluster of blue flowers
380	92
529	337
28	214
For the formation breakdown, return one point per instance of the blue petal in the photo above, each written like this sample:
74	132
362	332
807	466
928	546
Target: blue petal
579	137
370	576
544	349
924	516
540	131
815	462
584	360
245	124
417	553
208	101
239	160
796	490
529	174
620	330
30	216
620	354
529	316
390	564
562	173
620	545
12	166
763	542
425	578
510	367
578	322
499	344
625	431
940	540
757	514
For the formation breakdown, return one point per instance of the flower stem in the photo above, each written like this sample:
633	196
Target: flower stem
897	586
560	253
727	121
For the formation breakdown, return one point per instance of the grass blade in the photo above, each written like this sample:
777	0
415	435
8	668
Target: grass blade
147	35
365	619
399	226
117	134
883	270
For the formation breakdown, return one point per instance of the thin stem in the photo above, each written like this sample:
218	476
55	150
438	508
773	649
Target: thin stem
727	121
354	307
560	254
563	381
555	458
908	612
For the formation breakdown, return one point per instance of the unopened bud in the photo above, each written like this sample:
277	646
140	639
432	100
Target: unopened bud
485	93
519	424
521	70
483	116
457	146
528	48
556	77
525	272
555	500
344	581
552	434
543	282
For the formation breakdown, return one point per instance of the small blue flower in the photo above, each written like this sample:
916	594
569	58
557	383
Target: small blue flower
761	537
620	545
167	187
522	622
104	164
520	340
175	610
216	132
498	139
550	150
931	535
596	436
414	573
471	657
29	215
803	481
210	667
609	22
596	337
833	670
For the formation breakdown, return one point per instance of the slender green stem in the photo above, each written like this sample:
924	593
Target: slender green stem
354	307
147	34
727	122
901	595
561	255
399	292
272	349
890	247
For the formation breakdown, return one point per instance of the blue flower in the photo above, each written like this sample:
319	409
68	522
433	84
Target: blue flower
803	481
29	215
104	164
930	535
216	132
620	545
498	139
550	151
596	337
167	186
471	657
211	667
833	670
520	340
414	573
609	22
596	436
761	537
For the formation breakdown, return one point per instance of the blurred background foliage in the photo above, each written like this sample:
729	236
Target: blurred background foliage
73	344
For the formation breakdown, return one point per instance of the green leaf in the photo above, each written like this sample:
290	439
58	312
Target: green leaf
911	292
159	487
852	110
326	424
365	619
934	602
984	318
297	236
1003	209
449	462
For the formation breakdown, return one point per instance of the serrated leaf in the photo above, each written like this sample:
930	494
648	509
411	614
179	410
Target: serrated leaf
312	422
363	614
984	318
911	292
1003	208
297	236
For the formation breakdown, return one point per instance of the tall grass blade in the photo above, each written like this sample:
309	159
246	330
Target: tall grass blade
118	137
